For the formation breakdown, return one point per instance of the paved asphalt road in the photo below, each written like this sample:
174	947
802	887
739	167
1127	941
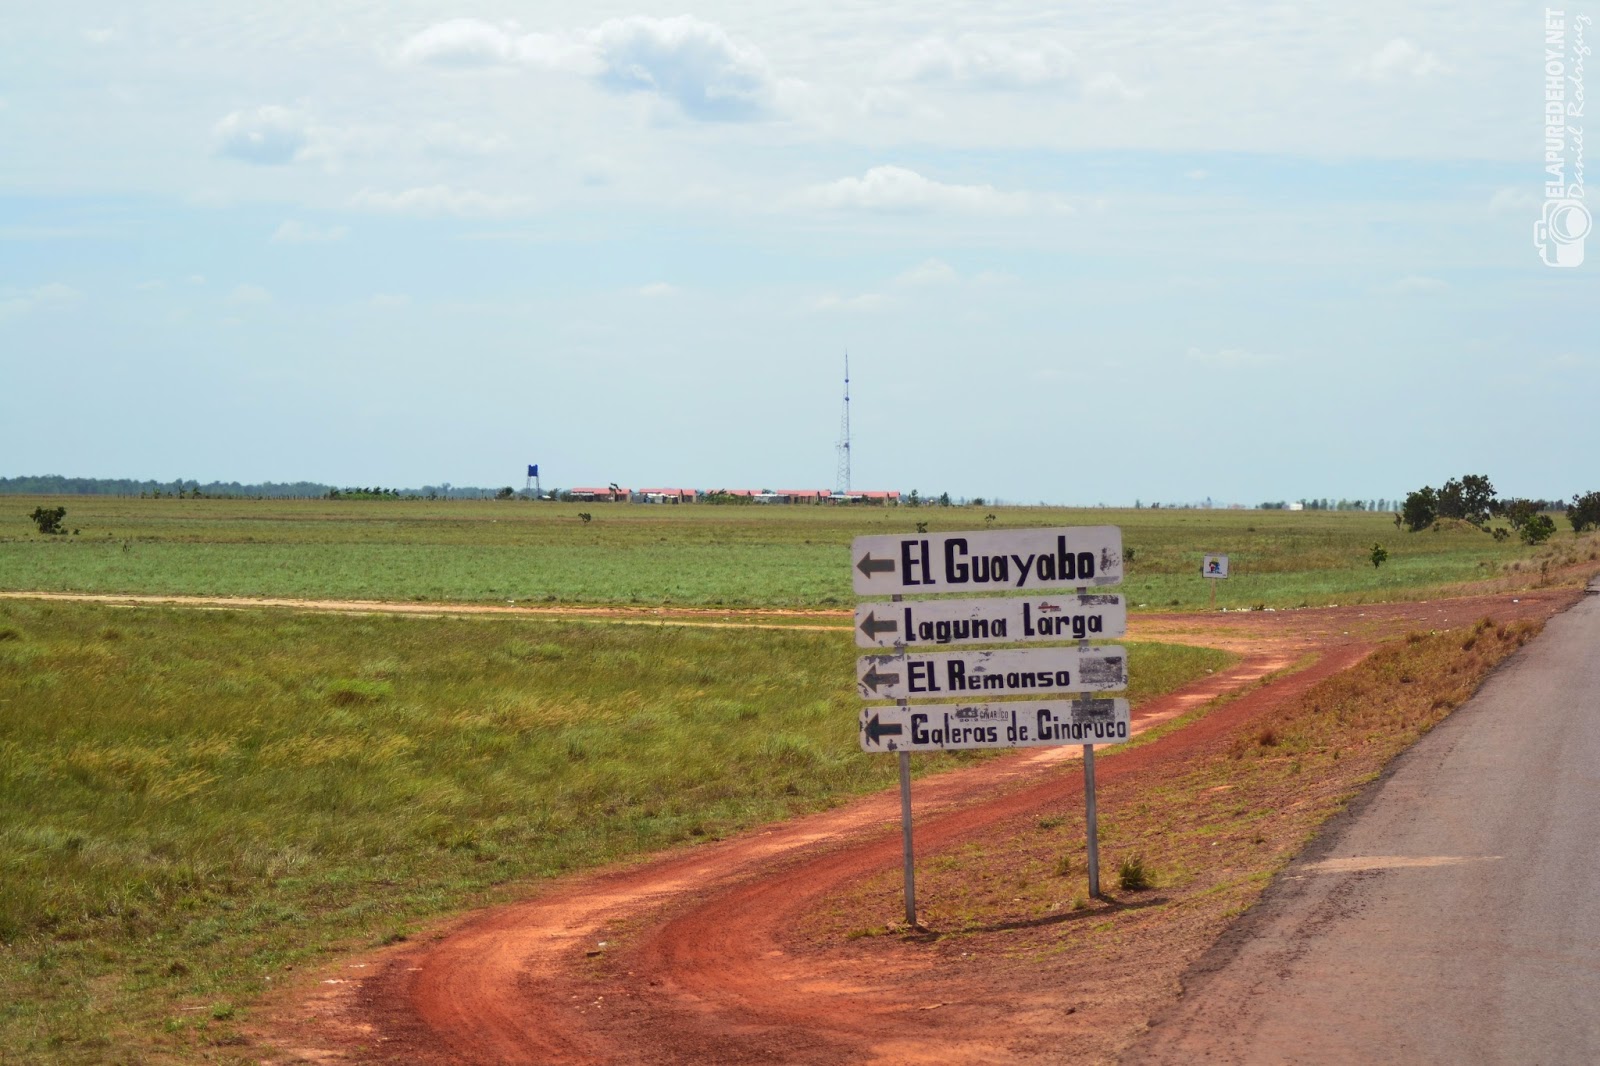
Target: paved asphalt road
1452	915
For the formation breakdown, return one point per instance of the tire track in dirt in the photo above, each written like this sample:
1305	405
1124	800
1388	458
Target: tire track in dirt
513	985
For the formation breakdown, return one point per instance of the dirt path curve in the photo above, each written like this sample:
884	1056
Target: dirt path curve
711	618
685	957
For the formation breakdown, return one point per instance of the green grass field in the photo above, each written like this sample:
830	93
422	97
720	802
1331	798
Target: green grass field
698	555
192	802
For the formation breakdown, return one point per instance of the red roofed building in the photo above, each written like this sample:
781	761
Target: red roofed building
609	494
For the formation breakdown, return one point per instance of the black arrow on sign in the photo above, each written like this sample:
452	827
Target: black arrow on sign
873	679
872	627
876	729
869	566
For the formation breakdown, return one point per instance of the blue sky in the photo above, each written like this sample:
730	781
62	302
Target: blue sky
1145	252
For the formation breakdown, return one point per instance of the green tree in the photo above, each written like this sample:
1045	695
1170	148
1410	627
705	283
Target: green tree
1518	511
1538	529
1379	555
1420	509
1584	511
1470	499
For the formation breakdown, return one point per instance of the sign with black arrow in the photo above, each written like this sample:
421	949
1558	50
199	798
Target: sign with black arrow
874	730
1017	724
935	623
987	560
1020	672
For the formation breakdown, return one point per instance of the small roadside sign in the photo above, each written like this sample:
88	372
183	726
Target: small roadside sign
997	560
1214	566
991	673
991	621
1020	724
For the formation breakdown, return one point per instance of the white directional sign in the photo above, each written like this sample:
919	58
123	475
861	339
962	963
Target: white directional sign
1214	566
991	621
1019	724
988	561
992	673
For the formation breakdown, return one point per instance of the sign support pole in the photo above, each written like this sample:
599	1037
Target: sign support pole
1092	821
905	829
1091	815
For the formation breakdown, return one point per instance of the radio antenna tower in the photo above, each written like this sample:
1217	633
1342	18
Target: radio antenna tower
842	478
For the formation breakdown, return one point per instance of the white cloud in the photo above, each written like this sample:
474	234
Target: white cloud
1108	86
463	43
1229	358
268	136
695	64
434	200
709	74
1198	174
249	296
867	301
1005	63
892	188
15	303
657	289
993	62
293	232
449	142
929	272
389	301
1417	283
1397	60
878	101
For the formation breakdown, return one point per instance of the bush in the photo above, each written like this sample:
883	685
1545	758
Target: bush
1538	529
1584	511
1379	555
48	519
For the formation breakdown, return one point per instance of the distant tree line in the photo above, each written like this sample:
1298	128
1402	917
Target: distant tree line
189	488
56	485
1328	504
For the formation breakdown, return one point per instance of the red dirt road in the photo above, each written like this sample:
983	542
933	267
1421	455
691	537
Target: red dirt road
691	957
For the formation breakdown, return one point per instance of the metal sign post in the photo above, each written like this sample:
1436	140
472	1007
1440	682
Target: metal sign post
905	832
909	856
1091	821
